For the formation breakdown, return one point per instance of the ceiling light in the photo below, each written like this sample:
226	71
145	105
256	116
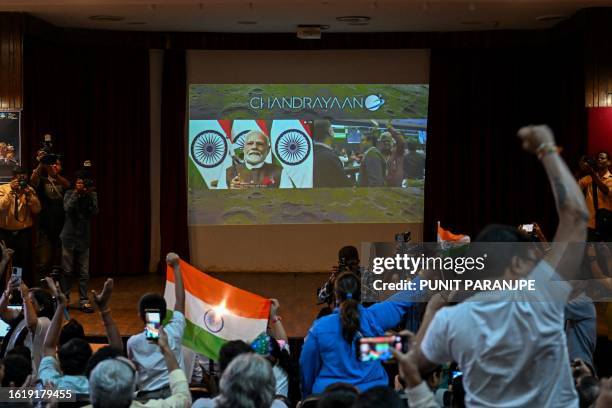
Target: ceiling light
353	19
104	18
359	23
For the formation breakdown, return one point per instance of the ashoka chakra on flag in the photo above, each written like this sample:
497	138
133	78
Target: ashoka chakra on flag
209	148
292	147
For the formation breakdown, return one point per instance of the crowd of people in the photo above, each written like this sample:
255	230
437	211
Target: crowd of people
387	159
46	208
501	349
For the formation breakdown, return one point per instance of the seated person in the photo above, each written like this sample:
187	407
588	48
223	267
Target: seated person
247	382
328	355
112	382
70	368
67	370
15	370
153	378
29	325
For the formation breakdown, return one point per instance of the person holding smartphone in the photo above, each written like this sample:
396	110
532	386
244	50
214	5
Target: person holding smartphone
153	377
28	324
330	352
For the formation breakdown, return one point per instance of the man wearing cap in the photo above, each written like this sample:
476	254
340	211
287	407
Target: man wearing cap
18	202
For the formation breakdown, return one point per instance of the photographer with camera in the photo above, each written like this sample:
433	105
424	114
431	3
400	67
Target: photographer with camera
348	261
18	202
51	186
597	187
80	204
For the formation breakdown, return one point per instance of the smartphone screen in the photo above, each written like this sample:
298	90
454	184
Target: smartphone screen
456	374
152	323
17	273
527	227
379	348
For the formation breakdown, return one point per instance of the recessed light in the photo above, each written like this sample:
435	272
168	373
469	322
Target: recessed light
359	23
353	19
550	17
106	18
248	22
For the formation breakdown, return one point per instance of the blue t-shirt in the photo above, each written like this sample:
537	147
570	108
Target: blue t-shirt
327	358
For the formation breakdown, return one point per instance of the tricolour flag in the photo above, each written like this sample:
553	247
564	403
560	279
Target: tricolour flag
216	312
209	150
447	238
292	146
240	127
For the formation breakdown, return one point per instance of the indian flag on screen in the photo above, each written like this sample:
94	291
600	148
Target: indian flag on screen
216	312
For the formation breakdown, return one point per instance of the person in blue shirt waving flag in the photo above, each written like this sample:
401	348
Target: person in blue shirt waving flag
329	354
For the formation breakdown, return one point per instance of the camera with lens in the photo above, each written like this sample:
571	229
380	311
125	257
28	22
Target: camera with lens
23	184
49	157
591	162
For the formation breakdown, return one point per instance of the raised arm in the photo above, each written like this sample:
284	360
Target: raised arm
567	249
101	301
29	312
179	290
6	196
7	314
274	323
180	396
52	337
32	200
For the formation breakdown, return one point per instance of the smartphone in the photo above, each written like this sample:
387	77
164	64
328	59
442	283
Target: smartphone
527	227
152	324
379	348
17	274
456	374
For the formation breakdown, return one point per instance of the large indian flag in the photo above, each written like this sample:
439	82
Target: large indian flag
216	312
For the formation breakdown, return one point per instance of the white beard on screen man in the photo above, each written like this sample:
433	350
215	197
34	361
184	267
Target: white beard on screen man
254	160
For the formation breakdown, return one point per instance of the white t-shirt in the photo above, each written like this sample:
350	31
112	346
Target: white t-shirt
152	369
34	343
512	351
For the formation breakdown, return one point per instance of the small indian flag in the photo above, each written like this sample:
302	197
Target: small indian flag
216	312
447	236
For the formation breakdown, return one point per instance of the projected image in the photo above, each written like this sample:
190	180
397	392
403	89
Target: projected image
243	154
306	153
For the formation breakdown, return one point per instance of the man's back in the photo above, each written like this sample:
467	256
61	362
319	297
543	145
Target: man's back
513	352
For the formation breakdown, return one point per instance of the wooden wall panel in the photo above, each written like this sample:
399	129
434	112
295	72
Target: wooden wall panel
598	58
11	61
